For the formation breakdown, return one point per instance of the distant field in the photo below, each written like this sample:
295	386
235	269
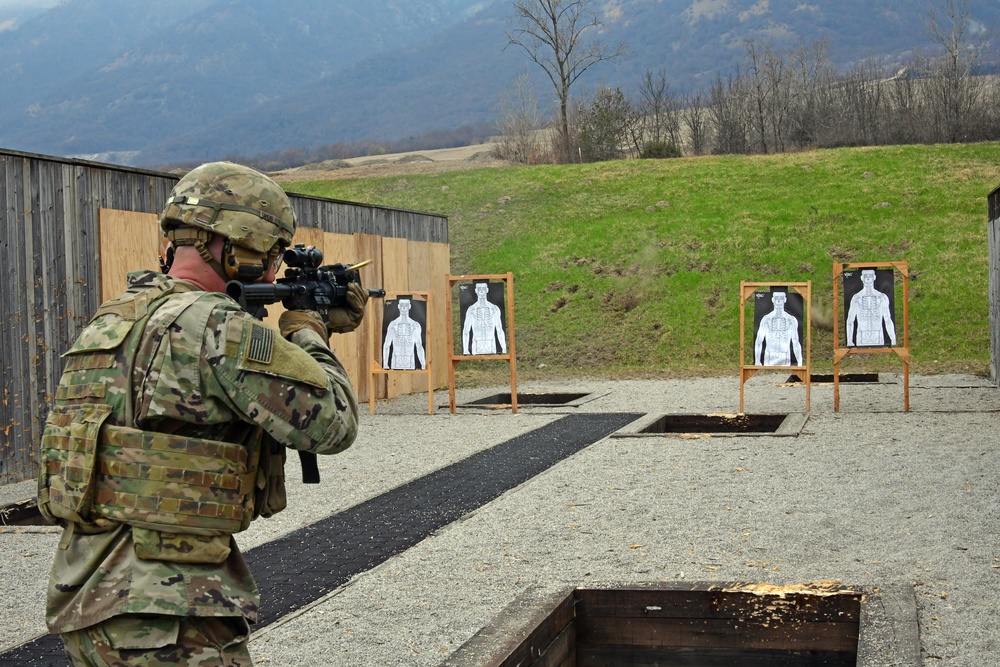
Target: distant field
633	267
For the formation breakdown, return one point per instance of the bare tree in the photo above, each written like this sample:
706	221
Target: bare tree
693	118
760	93
729	113
519	123
551	32
862	98
770	87
955	92
907	109
779	80
659	110
811	79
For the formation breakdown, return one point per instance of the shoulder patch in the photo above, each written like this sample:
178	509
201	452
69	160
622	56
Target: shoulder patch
261	344
263	350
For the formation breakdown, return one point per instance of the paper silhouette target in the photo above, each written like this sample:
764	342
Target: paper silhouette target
404	334
483	317
869	307
778	328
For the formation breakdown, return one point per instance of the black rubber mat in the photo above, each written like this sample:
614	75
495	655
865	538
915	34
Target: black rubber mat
305	565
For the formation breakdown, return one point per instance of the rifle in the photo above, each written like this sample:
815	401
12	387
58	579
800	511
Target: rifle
307	285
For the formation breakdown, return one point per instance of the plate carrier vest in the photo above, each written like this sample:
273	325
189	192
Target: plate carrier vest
98	472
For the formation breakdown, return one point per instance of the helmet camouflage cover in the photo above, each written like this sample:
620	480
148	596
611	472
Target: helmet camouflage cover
234	201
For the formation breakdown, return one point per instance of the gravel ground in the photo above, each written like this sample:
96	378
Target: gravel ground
868	496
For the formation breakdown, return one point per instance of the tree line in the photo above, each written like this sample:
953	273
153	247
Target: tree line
776	99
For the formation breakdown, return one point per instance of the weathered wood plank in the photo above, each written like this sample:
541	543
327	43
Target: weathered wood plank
521	633
718	633
602	656
719	604
561	651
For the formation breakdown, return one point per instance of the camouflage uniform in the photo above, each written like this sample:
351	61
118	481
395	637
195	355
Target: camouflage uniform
206	377
197	642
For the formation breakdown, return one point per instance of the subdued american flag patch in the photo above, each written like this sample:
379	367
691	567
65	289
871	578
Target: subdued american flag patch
261	340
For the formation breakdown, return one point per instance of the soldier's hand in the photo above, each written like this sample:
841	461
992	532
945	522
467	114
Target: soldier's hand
348	316
294	320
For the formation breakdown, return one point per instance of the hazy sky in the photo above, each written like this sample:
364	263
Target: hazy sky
16	4
14	12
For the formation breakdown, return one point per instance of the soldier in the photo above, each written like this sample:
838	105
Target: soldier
168	432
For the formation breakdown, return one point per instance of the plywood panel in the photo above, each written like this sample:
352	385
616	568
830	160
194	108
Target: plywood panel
395	276
343	249
395	273
370	247
418	261
420	279
129	241
418	266
440	267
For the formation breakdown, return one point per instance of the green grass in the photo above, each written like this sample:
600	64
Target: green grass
633	267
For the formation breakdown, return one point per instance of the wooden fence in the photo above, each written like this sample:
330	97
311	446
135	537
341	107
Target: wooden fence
70	229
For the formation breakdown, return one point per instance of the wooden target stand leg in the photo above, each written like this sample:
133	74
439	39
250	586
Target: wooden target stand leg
510	356
747	371
903	352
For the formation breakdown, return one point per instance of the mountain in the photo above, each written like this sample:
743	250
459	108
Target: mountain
184	80
140	78
51	50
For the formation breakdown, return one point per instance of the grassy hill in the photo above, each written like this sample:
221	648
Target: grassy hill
633	267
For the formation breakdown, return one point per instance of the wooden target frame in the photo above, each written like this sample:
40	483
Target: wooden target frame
747	371
375	333
510	356
903	351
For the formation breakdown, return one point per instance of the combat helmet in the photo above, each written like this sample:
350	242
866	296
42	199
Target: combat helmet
241	204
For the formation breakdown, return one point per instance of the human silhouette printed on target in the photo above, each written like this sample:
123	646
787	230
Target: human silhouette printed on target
778	328
403	334
869	307
483	318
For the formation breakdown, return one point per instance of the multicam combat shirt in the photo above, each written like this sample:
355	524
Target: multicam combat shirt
208	374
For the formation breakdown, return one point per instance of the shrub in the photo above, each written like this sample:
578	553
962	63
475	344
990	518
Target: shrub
660	150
